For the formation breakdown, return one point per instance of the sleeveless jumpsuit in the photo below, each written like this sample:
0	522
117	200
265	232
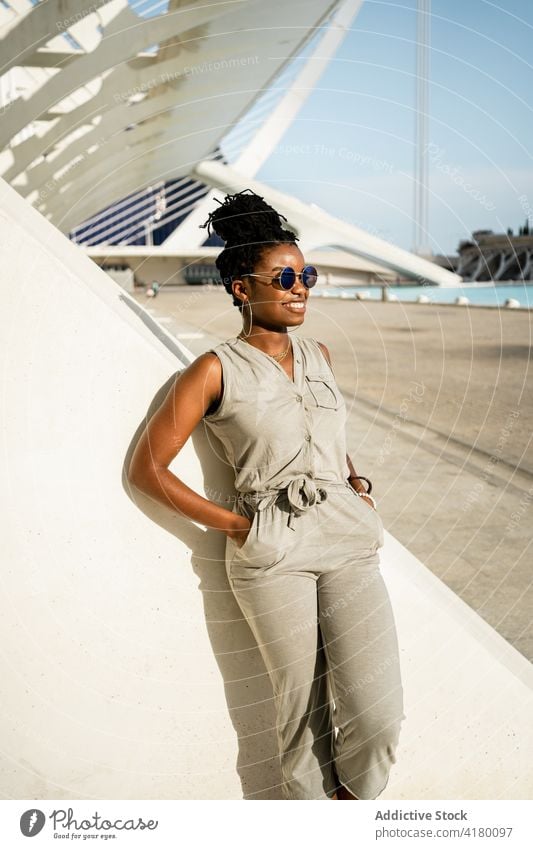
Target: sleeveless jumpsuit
307	578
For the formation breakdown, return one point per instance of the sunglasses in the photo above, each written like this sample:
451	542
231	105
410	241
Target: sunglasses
287	276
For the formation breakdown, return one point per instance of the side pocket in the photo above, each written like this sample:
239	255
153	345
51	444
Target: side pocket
251	533
371	517
264	546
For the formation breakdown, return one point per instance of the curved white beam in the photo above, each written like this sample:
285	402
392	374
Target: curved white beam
163	153
208	105
274	128
124	37
165	114
318	228
138	75
23	36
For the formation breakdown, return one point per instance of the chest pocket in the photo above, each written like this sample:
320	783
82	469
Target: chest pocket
323	391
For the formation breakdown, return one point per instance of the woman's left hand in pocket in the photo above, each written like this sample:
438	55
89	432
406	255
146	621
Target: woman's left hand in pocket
367	501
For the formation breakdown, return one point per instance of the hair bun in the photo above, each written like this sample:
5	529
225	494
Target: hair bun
245	219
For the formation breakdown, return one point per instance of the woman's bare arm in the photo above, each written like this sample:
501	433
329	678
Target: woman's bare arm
191	395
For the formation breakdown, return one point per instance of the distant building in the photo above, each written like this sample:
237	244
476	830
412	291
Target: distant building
493	257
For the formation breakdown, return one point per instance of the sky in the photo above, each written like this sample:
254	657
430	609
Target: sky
350	149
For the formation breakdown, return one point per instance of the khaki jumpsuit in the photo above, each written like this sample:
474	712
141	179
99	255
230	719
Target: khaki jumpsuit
307	578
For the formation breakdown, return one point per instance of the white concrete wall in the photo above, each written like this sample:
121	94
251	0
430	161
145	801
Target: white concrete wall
110	684
126	669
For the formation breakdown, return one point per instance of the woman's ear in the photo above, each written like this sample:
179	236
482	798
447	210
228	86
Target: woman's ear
239	289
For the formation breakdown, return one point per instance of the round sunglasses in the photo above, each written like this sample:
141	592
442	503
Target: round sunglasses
287	276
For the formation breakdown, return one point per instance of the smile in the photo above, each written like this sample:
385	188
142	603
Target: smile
296	306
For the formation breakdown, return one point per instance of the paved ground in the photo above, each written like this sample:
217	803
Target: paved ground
440	406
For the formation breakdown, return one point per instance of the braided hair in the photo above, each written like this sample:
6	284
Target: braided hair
247	224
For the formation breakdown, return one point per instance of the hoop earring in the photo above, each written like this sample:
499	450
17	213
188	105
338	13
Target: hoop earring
251	318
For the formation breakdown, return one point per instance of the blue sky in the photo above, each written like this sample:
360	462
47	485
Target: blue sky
350	149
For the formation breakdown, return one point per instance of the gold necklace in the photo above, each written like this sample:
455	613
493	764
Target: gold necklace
277	357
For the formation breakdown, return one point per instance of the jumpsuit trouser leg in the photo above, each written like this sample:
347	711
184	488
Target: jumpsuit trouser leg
361	648
281	612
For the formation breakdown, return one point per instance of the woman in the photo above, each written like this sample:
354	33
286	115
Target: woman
302	539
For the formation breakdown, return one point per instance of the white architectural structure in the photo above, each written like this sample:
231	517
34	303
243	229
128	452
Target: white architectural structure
109	113
100	103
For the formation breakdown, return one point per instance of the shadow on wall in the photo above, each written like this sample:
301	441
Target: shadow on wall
247	687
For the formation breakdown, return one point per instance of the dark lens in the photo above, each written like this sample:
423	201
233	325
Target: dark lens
287	278
309	276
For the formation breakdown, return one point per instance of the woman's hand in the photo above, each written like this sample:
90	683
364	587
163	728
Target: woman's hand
367	500
240	534
360	492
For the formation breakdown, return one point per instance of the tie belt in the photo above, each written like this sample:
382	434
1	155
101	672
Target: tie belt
303	492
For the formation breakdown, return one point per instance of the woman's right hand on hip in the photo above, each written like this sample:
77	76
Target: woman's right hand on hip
240	533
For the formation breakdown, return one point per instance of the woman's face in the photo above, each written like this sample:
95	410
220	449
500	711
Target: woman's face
271	307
